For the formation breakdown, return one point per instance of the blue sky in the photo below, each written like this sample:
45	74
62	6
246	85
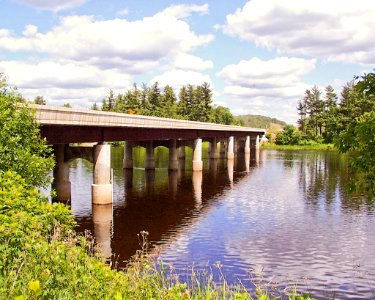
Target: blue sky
259	55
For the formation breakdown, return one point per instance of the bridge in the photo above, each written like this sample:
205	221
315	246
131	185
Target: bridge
63	126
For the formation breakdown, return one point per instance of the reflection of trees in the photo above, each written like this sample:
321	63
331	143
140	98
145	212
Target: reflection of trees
323	181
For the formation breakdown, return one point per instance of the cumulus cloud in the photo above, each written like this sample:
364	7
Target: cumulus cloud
178	78
84	38
270	87
54	5
58	82
185	10
187	61
336	30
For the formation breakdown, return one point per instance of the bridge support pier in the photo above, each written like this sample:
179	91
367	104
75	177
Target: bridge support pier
181	152
222	149
247	144
61	182
150	158
257	143
128	155
197	155
213	148
102	186
230	153
173	161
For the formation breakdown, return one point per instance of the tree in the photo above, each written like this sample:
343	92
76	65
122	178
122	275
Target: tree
222	115
67	105
94	107
39	100
22	150
108	102
357	128
289	136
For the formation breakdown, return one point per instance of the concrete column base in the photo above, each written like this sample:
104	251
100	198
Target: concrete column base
101	193
197	165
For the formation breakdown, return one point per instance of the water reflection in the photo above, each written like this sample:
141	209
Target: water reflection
286	212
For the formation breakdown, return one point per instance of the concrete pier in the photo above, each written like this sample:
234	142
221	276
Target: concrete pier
213	149
230	150
222	149
128	155
247	145
181	152
197	155
102	187
61	182
173	157
150	158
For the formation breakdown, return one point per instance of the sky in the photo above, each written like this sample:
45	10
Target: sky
259	56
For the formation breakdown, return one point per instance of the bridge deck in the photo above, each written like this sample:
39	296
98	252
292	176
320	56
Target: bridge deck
59	125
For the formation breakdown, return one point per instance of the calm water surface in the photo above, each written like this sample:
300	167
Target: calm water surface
285	220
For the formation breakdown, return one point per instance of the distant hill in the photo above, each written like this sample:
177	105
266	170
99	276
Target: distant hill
272	124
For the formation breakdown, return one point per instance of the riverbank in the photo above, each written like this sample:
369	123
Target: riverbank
316	146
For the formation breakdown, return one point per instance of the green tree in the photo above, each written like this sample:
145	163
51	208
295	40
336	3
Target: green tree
289	136
357	128
108	102
222	115
67	105
22	150
39	100
94	107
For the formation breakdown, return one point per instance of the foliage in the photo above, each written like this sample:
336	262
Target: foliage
289	136
39	100
21	147
316	114
192	103
258	121
356	129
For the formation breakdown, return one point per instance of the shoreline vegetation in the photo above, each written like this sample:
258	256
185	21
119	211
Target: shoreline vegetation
314	146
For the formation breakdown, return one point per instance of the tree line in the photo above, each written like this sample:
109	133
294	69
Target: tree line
192	103
347	121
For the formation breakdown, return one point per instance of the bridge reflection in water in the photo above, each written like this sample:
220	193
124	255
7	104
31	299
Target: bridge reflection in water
161	201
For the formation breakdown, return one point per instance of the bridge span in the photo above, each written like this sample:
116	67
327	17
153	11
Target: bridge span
63	126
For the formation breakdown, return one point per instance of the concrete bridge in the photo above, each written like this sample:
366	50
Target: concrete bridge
63	126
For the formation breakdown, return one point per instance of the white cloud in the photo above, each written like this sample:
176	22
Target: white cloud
336	30
54	5
185	10
270	87
187	61
78	84
178	78
100	42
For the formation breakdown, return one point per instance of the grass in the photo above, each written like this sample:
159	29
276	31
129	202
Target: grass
315	146
41	257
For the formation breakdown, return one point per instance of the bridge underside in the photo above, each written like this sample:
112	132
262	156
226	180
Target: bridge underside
64	134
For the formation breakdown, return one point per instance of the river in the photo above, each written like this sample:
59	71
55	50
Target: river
285	221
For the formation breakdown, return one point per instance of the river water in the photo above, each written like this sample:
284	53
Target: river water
285	221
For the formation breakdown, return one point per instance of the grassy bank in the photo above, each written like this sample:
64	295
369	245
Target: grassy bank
41	257
315	146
